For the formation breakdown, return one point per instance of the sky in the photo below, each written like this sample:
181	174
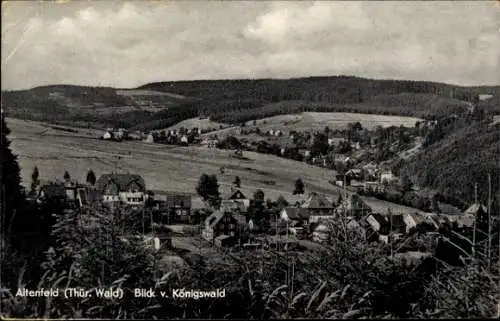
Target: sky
128	44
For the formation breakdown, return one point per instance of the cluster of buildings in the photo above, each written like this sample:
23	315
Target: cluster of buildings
170	136
368	178
117	189
314	217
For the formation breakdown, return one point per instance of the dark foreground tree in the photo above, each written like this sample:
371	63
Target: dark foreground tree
259	196
208	189
299	187
237	182
67	177
11	192
91	179
34	179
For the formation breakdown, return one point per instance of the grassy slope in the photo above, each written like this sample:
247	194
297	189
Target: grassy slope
163	167
198	123
310	121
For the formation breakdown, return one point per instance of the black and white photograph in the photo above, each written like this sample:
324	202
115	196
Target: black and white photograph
199	159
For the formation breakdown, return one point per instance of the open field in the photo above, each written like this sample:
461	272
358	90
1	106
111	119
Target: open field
197	122
163	167
140	92
311	121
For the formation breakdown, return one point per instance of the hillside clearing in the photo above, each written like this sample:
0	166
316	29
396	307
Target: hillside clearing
139	92
202	124
312	121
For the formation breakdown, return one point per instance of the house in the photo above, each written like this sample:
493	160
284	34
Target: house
378	223
356	146
387	176
298	214
271	132
355	206
224	241
400	223
340	180
318	207
222	223
209	142
356	185
71	187
331	141
176	205
126	188
321	233
371	186
340	158
370	170
478	211
412	258
483	97
87	196
234	206
277	133
108	135
53	193
449	209
354	173
238	197
120	134
135	136
150	138
184	139
282	241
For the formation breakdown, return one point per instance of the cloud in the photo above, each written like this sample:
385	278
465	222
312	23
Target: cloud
129	44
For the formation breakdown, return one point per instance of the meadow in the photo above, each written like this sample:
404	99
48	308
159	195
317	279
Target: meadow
316	121
196	122
166	168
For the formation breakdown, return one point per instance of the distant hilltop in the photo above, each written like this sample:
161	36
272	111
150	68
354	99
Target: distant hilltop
163	104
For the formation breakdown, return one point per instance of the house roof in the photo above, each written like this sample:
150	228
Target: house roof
317	201
241	219
281	239
175	199
448	209
122	180
53	190
236	195
214	218
379	218
297	213
475	208
88	195
233	205
382	207
223	237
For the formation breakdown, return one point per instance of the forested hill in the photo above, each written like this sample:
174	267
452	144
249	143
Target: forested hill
453	165
335	89
232	100
162	104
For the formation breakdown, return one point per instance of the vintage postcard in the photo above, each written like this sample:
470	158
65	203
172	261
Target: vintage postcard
198	159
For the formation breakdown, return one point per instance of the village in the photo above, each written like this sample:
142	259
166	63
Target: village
173	225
